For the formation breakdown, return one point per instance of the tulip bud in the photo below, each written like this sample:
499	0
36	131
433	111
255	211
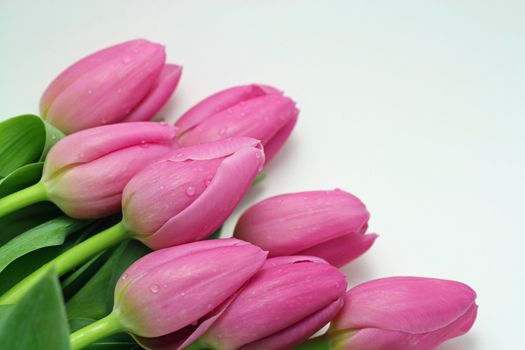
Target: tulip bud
284	303
256	111
403	313
327	224
187	196
125	82
174	287
85	173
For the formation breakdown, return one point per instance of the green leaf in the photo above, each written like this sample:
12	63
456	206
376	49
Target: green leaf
119	341
5	311
21	178
95	299
50	233
38	321
73	282
24	219
24	139
26	264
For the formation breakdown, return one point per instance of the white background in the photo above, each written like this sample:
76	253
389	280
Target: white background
415	106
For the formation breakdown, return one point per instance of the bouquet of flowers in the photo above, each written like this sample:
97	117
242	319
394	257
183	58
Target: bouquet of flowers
110	228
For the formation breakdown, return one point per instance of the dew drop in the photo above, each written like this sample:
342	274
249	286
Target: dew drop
81	155
90	92
222	131
258	155
154	288
103	121
190	191
124	276
126	60
119	90
163	123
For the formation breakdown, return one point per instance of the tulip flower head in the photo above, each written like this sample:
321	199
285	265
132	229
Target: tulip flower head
403	313
327	224
188	195
256	111
85	173
172	288
284	303
125	82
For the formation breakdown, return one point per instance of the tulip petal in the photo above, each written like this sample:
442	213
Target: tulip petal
277	141
164	299
291	223
159	257
158	96
94	189
405	304
83	67
215	204
88	145
164	189
341	250
380	339
299	332
221	101
110	91
213	150
260	118
275	299
290	259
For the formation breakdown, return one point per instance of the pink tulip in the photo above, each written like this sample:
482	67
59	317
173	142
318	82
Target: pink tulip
85	173
403	313
125	82
256	111
172	288
285	303
327	224
187	196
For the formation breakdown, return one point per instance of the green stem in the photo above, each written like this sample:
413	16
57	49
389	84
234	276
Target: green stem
318	343
69	259
97	330
18	200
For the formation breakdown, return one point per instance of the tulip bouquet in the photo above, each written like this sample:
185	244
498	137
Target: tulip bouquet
110	226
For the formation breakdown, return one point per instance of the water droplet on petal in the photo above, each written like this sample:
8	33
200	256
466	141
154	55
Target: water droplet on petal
223	131
124	276
126	60
190	191
163	123
90	92
154	288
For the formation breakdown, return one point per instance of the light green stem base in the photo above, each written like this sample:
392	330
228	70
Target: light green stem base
18	200
69	259
97	330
